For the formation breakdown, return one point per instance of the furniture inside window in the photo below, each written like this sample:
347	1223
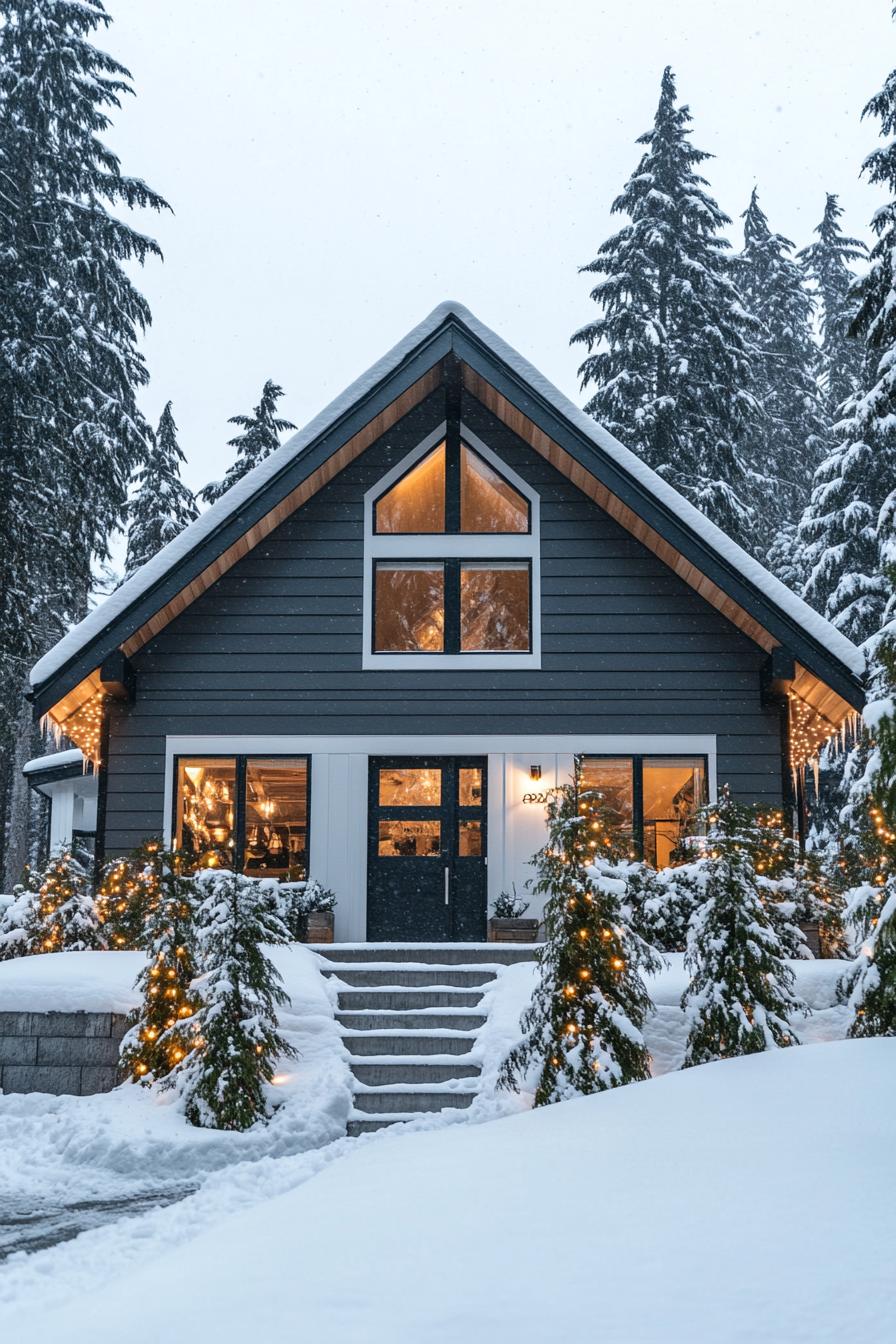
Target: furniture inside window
651	799
249	813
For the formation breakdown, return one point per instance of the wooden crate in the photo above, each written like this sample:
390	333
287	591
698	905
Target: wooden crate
513	931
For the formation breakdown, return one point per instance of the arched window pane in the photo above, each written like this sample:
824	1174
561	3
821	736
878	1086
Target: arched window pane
487	502
416	503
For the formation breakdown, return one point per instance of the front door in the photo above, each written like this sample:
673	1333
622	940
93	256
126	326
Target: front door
426	860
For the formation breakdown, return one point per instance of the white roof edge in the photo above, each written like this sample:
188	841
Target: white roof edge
54	761
814	624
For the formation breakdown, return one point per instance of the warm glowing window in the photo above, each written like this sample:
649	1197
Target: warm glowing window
416	503
651	798
441	494
451	561
410	608
452	607
248	813
488	503
494	608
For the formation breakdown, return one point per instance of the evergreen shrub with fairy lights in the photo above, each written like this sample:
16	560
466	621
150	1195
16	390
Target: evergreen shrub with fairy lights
58	910
234	1033
161	1031
740	996
582	1031
130	887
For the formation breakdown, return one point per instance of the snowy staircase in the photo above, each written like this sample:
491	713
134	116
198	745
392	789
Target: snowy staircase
409	1015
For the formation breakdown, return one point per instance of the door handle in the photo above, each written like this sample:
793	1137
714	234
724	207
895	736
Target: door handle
447	884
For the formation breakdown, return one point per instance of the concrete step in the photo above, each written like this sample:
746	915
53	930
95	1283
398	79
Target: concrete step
445	954
414	1071
413	999
386	1103
356	1127
365	977
410	1043
409	1021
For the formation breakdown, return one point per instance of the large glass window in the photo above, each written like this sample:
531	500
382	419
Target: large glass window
247	813
451	493
651	798
494	608
455	606
410	608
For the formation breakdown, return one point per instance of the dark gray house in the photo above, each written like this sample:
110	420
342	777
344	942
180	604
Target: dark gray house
371	658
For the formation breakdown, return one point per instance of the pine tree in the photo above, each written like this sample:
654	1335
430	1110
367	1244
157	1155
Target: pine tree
163	1029
70	320
741	990
870	983
163	505
260	437
61	915
237	1040
583	1027
671	355
828	264
786	452
839	529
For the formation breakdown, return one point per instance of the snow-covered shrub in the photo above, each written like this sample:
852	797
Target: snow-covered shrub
582	1031
509	905
295	901
56	910
235	1032
161	1032
15	912
662	902
741	989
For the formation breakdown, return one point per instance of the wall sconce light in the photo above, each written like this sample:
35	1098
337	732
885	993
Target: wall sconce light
535	772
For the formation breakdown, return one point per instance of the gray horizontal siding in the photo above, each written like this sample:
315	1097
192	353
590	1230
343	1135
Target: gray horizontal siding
275	647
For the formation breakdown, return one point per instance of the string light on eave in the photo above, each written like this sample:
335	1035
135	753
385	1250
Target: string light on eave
809	731
85	727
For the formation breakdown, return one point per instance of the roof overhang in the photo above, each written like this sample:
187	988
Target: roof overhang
69	679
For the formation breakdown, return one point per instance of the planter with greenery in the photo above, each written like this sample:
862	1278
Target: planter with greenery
507	925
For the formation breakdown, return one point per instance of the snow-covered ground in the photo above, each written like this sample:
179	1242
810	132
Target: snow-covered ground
134	1143
740	1202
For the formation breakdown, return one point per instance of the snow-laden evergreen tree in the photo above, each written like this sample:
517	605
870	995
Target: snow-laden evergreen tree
235	1029
71	317
786	451
163	1029
17	917
740	994
260	437
61	915
870	983
828	262
839	529
583	1029
162	506
671	354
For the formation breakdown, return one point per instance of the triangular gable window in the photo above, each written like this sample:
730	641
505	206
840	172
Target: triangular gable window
444	493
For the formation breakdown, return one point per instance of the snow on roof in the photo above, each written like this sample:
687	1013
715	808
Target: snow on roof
239	494
55	761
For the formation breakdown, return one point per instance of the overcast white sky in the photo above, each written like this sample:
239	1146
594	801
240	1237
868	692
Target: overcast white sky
337	169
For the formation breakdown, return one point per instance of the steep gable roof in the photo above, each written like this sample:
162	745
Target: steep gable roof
509	386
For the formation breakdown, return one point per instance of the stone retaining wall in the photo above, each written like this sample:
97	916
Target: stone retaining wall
64	1053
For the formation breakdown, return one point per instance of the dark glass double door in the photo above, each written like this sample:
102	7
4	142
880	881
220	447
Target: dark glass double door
427	847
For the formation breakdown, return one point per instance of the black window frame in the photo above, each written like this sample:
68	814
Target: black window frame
452	526
451	567
239	803
637	759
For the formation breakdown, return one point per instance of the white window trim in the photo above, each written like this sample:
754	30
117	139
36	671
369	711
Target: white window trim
440	546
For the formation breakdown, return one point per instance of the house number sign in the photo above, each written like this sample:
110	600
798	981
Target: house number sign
543	798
